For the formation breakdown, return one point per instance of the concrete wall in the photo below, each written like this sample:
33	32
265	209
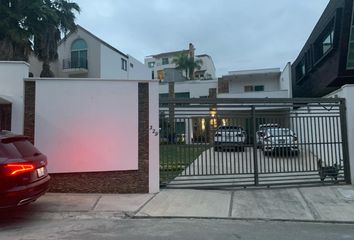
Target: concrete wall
347	92
237	86
111	64
154	143
91	124
196	88
137	70
208	65
285	79
12	89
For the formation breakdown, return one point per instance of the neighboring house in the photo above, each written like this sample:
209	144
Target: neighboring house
161	65
83	55
326	61
260	83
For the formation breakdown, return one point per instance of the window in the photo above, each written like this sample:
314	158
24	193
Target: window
151	64
324	43
124	64
164	61
248	88
152	75
300	70
259	88
131	65
78	54
350	61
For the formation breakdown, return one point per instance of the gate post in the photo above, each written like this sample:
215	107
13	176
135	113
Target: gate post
344	133
255	159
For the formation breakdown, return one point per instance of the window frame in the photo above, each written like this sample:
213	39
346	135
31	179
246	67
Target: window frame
329	30
82	55
251	87
258	86
165	61
124	64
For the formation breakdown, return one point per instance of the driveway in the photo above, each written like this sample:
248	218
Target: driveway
238	168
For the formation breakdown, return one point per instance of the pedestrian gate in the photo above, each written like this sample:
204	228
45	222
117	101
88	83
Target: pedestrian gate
215	143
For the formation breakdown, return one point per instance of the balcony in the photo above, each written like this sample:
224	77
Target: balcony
75	66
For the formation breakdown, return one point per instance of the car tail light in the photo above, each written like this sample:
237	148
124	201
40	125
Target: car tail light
17	168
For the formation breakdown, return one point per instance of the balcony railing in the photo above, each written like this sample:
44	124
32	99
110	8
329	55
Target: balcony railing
75	64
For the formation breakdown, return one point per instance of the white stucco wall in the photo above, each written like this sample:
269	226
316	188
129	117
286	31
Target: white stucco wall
237	86
285	79
86	125
12	89
111	64
196	88
208	65
347	92
138	71
154	144
93	54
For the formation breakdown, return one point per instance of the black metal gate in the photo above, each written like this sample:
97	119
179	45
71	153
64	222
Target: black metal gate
252	142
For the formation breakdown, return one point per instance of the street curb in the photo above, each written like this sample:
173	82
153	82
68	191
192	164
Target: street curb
246	219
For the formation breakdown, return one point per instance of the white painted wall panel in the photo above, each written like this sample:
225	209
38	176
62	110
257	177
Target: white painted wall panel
12	89
111	64
154	144
87	125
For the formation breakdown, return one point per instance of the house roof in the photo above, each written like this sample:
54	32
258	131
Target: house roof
166	54
95	37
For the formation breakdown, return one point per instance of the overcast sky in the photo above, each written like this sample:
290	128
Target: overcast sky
237	34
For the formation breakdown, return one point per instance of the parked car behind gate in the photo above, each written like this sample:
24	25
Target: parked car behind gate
230	137
280	140
262	128
23	172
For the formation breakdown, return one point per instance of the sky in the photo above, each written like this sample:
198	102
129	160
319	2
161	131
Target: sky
237	34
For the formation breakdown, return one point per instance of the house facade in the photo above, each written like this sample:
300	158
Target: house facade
326	62
162	67
83	55
259	83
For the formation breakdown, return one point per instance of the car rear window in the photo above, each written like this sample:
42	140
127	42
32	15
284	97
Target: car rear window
17	149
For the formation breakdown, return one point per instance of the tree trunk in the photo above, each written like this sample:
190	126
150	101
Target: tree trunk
46	72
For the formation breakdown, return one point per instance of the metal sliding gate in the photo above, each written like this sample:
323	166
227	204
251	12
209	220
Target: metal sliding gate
216	143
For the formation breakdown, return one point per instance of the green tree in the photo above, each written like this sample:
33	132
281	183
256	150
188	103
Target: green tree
34	25
187	64
15	42
58	18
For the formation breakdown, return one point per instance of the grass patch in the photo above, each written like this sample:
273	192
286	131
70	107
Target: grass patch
175	158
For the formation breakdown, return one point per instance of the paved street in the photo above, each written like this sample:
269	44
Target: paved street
131	229
294	213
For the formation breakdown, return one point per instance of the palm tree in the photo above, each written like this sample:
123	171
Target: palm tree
14	37
187	64
181	62
59	18
34	25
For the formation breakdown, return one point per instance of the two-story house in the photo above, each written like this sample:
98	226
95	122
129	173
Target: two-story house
81	54
326	62
258	83
163	68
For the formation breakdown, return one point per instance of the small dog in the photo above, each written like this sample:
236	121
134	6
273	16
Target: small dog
327	171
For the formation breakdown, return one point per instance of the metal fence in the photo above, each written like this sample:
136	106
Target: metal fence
252	142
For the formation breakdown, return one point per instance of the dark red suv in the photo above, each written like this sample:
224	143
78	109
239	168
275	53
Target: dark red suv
23	171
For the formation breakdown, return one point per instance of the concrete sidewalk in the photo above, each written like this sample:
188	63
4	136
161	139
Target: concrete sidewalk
333	204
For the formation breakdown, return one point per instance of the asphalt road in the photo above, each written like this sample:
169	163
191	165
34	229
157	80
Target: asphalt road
154	229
